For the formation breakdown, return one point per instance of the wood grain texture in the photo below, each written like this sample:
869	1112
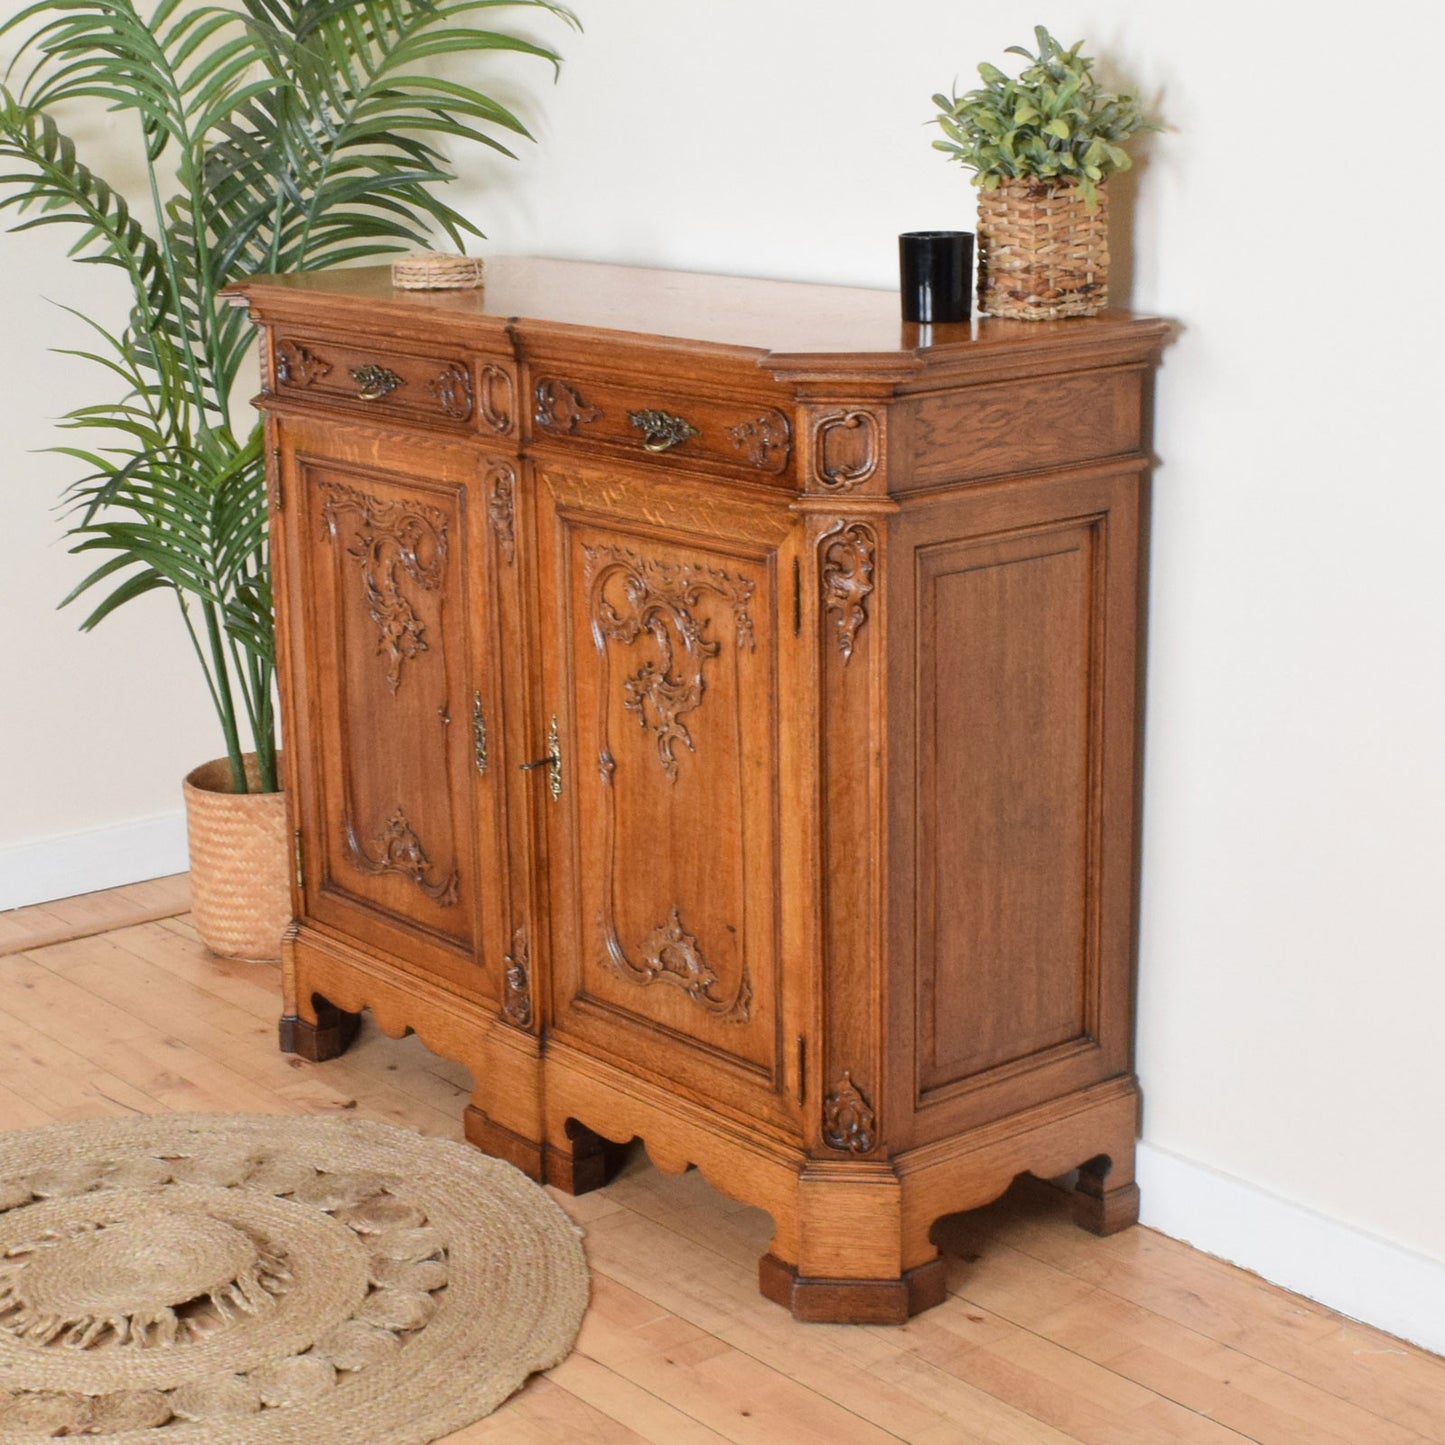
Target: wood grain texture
1045	1337
1004	830
800	328
988	431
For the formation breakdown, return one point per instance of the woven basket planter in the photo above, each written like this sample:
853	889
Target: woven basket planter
240	883
1041	253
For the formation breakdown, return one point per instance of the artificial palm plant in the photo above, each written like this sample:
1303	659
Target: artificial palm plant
275	135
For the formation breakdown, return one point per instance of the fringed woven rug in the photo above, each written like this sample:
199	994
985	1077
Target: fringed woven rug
252	1280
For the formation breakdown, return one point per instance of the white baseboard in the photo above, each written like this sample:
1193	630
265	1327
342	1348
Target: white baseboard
97	858
1342	1268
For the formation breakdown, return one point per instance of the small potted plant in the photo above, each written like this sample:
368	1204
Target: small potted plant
1041	147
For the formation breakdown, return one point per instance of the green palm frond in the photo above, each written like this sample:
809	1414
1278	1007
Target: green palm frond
275	135
53	186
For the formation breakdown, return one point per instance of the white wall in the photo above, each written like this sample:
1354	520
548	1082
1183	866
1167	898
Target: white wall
96	731
1291	960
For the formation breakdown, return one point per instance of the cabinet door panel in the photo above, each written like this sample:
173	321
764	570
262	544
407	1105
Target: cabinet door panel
661	629
382	564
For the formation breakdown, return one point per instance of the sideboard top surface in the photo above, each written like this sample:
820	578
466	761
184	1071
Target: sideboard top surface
788	325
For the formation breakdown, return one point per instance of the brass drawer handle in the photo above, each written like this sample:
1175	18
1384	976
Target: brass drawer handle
375	381
661	431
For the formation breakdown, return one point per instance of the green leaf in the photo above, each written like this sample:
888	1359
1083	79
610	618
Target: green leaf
1051	119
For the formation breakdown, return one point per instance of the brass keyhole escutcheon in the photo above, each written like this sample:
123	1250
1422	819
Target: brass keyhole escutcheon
552	762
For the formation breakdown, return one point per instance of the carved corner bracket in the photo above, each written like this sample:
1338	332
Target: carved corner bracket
849	1123
669	954
847	558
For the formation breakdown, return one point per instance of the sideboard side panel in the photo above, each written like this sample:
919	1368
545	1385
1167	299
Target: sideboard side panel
1012	758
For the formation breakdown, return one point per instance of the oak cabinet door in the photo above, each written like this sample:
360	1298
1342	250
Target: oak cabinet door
660	623
386	659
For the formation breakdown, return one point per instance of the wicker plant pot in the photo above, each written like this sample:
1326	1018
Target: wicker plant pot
240	884
1041	253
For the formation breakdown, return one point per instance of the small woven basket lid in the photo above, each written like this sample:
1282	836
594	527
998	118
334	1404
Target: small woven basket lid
434	271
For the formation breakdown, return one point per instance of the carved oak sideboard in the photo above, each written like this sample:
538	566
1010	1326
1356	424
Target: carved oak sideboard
710	713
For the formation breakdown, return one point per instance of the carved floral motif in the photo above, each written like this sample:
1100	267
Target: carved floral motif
765	441
846	566
453	391
848	1120
669	954
392	540
398	850
632	596
517	1001
296	366
560	408
501	506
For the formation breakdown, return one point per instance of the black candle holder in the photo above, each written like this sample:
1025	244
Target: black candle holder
935	271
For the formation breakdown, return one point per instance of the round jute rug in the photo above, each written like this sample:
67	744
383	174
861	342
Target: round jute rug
222	1279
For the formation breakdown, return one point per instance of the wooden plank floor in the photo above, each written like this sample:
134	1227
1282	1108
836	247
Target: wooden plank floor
109	1005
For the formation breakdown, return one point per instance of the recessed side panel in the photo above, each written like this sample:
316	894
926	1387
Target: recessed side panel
1011	753
1006	670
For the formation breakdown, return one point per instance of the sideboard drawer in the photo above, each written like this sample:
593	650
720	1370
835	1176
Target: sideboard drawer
749	437
436	388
